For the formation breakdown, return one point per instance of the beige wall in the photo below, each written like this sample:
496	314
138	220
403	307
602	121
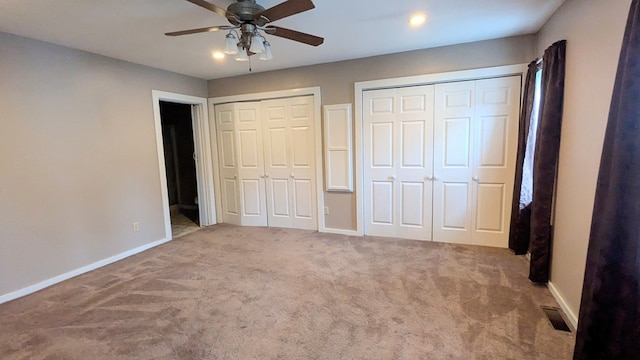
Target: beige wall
593	30
78	160
336	81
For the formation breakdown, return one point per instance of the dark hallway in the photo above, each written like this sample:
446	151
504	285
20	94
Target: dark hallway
177	135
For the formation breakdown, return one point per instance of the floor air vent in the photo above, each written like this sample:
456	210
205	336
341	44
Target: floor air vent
556	319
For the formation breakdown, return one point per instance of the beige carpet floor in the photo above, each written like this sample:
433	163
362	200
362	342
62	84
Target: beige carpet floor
227	292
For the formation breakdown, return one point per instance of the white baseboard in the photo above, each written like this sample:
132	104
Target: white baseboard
44	284
571	315
340	232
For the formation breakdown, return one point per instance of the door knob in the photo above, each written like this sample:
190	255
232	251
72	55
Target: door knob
435	178
235	177
392	177
476	178
428	178
261	176
266	175
293	176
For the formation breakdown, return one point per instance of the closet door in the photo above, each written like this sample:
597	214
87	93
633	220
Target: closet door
476	129
225	129
250	164
495	146
452	198
289	154
241	163
398	143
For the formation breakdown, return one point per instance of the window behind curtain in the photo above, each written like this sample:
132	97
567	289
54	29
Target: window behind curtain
526	194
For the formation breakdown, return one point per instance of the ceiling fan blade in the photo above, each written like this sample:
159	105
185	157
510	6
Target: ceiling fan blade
195	31
209	6
282	10
294	35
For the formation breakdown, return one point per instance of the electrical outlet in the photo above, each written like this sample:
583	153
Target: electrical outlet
326	210
136	226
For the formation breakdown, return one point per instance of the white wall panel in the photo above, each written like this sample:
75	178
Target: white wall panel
338	148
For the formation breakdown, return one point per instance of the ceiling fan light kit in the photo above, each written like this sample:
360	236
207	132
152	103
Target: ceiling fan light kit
231	46
247	19
257	44
266	55
242	54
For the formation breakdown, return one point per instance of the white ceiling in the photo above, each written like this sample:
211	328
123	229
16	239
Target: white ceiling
132	30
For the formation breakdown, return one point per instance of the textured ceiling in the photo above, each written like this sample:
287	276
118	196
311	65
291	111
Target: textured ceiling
132	30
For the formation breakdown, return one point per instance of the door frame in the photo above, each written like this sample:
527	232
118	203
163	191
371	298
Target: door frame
360	87
317	111
202	146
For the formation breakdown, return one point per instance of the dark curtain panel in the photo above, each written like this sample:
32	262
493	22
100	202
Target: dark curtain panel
521	217
546	159
609	322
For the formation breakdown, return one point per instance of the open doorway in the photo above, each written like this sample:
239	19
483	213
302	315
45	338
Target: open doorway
180	167
201	209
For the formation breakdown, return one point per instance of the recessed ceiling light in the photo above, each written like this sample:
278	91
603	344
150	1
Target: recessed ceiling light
417	20
217	55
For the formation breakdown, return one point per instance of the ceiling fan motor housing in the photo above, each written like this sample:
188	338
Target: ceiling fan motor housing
247	18
244	10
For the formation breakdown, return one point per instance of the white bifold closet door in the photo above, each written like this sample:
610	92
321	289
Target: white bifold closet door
289	155
241	163
398	158
439	160
476	131
267	162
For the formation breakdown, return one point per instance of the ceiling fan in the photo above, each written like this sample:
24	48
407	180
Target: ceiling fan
248	18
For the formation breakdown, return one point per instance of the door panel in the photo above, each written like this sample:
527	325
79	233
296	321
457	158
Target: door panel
379	137
225	118
230	197
301	110
251	205
457	97
411	207
248	115
439	160
302	164
413	103
381	144
277	147
279	192
382	201
453	144
415	162
492	141
302	155
382	104
267	157
250	164
398	125
490	207
457	142
455	206
275	112
227	150
303	192
412	144
248	149
290	162
495	147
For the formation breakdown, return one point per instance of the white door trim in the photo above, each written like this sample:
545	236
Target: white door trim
360	87
317	110
204	170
